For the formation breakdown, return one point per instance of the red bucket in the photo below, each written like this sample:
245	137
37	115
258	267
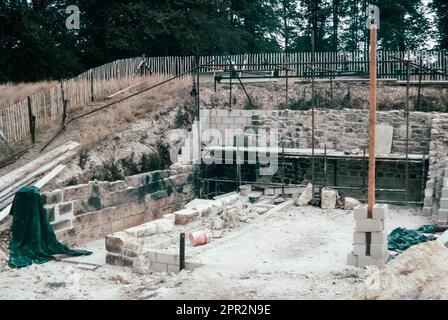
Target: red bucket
199	238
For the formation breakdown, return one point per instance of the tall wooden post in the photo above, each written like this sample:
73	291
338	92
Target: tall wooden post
372	124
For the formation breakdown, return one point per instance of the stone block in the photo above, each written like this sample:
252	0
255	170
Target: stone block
328	198
134	220
78	192
360	212
91	204
427	211
53	197
352	260
186	216
379	211
144	230
124	196
369	225
118	225
65	208
428	202
63	224
364	261
115	242
50	212
114	259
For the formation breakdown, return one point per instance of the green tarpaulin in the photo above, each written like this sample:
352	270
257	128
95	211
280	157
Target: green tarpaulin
402	239
33	239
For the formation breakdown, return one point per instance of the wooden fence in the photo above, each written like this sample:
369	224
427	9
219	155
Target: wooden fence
97	83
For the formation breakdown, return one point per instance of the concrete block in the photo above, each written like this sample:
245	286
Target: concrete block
81	191
160	267
144	230
360	212
359	249
378	250
369	225
444	193
364	261
167	258
428	202
380	211
359	238
173	268
352	260
379	237
443	203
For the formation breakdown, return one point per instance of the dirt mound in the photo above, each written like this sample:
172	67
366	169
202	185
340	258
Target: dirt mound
420	273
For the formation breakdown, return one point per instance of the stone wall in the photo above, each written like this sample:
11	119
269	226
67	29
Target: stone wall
437	163
341	130
87	212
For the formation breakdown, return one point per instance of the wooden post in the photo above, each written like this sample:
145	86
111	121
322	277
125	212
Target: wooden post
372	124
32	122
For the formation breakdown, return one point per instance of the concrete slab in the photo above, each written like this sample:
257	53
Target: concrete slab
98	258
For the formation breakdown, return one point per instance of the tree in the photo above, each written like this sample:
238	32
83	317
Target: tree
441	9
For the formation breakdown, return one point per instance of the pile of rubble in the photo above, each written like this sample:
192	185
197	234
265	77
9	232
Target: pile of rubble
233	215
3	261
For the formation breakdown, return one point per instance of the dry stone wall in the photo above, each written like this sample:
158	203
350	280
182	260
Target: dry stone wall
87	212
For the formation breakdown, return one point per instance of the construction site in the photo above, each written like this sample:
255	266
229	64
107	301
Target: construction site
265	176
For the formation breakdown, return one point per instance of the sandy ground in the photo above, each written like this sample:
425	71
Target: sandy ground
297	254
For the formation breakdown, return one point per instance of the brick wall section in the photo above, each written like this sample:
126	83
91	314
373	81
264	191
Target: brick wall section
338	129
437	163
83	213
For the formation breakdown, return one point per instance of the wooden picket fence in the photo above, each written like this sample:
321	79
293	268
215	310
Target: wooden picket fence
95	83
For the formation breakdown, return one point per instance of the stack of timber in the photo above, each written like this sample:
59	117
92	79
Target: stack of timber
49	165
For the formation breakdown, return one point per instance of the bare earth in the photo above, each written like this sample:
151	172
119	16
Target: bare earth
297	254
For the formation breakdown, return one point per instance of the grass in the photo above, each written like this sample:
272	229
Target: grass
15	92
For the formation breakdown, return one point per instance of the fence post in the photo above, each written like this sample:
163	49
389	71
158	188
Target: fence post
32	122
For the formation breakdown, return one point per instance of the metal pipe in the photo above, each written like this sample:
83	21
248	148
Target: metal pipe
313	107
408	67
182	252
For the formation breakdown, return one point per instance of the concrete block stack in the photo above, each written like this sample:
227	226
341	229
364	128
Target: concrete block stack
369	238
442	217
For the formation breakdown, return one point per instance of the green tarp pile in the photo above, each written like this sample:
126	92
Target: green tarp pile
33	239
401	238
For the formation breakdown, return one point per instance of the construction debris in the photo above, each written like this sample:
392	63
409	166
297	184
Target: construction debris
306	196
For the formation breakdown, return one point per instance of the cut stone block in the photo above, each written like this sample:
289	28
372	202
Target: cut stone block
369	225
379	211
186	216
352	260
360	212
328	199
378	250
351	203
364	261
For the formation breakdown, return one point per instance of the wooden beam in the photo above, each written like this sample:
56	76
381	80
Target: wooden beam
372	123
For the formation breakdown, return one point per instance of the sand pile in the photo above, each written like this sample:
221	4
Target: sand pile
421	272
